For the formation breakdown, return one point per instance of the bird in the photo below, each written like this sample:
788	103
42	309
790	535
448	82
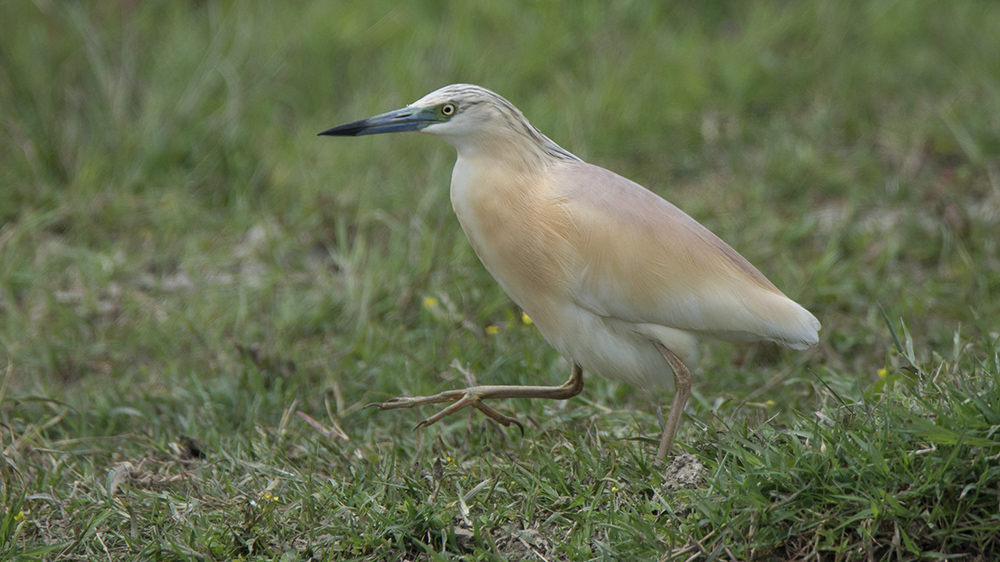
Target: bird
619	281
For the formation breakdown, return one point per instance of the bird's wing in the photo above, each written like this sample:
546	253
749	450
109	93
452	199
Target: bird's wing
643	260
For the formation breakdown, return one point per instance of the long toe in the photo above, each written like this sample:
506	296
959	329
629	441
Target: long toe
464	402
496	416
413	401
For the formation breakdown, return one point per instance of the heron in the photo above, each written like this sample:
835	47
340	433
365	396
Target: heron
619	281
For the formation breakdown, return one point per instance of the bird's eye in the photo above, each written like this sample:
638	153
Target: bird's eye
448	109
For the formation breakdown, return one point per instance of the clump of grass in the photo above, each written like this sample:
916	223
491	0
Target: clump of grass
905	472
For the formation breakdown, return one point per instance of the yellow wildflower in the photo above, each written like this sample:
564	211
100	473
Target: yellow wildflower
882	373
493	329
430	302
525	318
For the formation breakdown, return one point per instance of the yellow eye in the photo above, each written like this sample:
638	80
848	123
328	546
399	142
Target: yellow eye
448	109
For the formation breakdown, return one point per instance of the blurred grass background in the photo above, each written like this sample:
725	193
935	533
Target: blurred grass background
181	256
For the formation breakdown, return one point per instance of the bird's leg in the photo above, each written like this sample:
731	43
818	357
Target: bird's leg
474	396
682	391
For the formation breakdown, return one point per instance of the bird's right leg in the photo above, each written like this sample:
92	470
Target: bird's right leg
474	396
682	391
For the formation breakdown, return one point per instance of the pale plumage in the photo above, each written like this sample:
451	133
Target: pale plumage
617	279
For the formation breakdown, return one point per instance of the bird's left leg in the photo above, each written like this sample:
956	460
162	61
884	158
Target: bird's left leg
682	391
474	396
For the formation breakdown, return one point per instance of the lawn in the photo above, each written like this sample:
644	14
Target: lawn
198	295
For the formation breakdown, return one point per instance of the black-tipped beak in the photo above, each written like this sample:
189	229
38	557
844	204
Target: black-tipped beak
406	119
347	130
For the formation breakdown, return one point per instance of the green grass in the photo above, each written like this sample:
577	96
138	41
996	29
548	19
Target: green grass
185	266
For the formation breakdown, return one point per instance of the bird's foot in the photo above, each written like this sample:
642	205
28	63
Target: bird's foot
469	397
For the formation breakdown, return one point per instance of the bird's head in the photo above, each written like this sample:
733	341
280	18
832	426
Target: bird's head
445	112
465	115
